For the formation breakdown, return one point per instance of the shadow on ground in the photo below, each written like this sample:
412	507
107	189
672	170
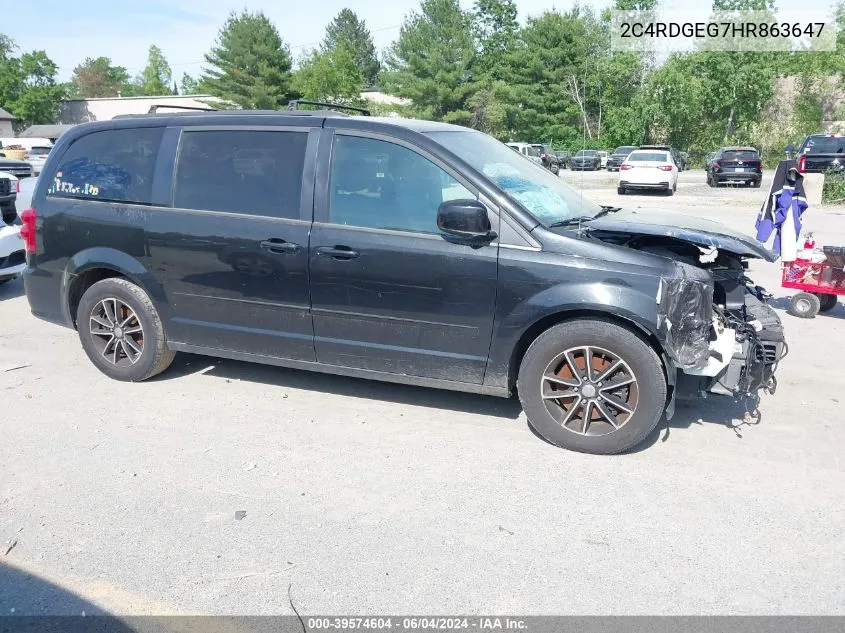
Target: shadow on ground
11	289
715	410
343	386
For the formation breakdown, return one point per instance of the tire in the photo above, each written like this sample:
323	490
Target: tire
757	184
804	305
609	341
99	305
670	192
710	182
555	170
827	302
621	191
675	186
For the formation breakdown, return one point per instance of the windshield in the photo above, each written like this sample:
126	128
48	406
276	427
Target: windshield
647	156
624	150
542	193
586	153
825	145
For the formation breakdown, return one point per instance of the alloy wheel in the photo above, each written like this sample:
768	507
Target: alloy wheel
589	391
117	332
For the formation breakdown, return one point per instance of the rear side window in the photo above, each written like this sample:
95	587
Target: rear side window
111	165
740	155
661	157
241	171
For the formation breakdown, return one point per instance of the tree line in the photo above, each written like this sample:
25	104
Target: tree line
551	79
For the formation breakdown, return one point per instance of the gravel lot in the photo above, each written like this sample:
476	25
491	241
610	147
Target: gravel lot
373	498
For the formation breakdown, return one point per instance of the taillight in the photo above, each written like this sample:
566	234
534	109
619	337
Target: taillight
716	166
623	167
28	218
17	186
665	167
802	163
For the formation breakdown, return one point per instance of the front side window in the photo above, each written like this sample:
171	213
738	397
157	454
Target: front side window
546	196
381	185
241	171
110	165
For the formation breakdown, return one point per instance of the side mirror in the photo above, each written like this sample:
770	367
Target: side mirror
465	219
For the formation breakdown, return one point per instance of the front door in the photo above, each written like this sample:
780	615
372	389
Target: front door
233	250
389	293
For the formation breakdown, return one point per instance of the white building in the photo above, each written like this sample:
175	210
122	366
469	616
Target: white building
102	109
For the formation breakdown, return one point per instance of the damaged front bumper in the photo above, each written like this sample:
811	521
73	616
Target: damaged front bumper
730	349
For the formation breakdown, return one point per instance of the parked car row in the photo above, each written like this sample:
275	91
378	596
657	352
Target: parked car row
30	151
541	154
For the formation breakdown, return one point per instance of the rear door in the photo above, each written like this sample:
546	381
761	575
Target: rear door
389	293
232	253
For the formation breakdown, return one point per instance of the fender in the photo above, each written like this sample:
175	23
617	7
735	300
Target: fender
613	297
118	261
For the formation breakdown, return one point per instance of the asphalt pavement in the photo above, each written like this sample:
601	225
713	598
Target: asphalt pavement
220	486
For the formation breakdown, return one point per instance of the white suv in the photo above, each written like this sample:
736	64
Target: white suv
12	256
648	169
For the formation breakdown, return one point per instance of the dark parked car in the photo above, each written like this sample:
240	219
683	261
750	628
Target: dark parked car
618	155
396	249
821	152
564	158
736	165
548	158
17	168
585	159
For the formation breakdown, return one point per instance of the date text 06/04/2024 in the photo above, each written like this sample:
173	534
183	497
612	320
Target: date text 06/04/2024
432	623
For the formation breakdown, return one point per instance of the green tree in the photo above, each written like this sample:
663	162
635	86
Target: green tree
430	62
98	78
28	87
188	85
332	76
249	64
743	5
156	79
495	28
347	31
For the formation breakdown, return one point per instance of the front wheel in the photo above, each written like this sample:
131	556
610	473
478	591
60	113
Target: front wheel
121	332
592	386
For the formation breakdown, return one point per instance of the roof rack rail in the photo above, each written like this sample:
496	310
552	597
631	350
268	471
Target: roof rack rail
295	103
154	108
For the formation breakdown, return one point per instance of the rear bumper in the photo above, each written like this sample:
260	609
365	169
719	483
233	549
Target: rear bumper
749	175
644	185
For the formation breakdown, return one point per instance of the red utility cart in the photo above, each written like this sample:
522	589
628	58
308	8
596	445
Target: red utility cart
819	282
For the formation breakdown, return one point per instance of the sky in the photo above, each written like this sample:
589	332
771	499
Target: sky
185	29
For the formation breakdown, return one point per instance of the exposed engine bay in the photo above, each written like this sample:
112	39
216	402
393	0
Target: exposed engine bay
729	345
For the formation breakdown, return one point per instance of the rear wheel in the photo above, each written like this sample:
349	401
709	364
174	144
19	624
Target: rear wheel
621	191
804	305
555	170
757	184
592	386
710	182
826	302
121	332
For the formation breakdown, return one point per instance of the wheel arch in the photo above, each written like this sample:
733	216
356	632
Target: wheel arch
593	314
95	264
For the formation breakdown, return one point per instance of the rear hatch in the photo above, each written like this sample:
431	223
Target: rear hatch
738	161
646	167
822	152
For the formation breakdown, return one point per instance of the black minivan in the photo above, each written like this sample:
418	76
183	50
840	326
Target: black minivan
394	249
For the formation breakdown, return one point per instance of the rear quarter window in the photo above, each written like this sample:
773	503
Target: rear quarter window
110	165
740	155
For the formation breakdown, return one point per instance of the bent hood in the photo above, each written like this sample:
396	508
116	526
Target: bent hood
699	231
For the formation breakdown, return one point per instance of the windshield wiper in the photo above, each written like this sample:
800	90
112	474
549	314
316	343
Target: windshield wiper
571	221
605	209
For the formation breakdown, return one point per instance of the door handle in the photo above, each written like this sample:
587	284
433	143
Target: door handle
279	246
337	252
